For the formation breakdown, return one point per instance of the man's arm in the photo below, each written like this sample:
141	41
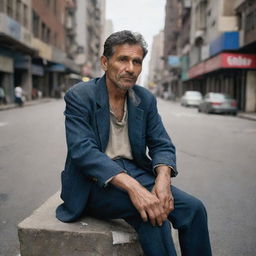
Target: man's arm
162	188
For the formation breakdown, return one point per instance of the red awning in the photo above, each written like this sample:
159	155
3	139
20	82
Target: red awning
224	60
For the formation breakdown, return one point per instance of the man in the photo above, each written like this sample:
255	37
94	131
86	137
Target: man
18	92
111	124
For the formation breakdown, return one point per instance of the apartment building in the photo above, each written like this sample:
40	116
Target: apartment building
16	49
171	81
221	50
156	64
90	19
37	46
54	37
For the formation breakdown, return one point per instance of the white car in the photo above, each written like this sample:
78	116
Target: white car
191	98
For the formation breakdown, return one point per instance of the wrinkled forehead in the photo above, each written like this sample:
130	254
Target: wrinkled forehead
128	50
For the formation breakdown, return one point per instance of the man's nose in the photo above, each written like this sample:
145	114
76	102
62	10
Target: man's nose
130	67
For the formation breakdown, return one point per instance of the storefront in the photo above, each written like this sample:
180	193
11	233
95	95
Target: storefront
231	73
6	77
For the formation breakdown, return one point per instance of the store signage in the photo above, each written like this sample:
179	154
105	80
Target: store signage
224	60
6	64
235	60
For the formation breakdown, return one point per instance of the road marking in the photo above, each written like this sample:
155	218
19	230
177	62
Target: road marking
3	124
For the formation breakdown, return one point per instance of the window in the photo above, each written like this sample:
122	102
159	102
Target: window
10	7
1	6
25	15
35	24
18	10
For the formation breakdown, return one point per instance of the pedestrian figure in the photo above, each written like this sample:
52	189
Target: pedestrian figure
112	126
19	96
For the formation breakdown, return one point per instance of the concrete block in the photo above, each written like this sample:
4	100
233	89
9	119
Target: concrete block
42	234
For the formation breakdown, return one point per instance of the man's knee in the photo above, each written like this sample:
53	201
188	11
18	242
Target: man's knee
191	209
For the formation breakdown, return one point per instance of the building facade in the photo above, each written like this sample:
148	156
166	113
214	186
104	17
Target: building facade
16	48
37	46
220	53
90	19
156	64
171	76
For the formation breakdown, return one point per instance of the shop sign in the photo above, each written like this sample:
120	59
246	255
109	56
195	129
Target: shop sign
6	64
37	70
235	60
173	61
224	60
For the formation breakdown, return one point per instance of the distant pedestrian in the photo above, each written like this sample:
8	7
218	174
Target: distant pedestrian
2	96
19	99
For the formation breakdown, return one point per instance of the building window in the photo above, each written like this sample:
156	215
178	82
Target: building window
250	21
35	24
18	11
10	8
25	15
46	33
1	6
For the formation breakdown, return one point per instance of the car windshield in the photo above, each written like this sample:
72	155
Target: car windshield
193	94
219	96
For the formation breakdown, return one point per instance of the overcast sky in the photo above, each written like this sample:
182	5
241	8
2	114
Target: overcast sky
144	16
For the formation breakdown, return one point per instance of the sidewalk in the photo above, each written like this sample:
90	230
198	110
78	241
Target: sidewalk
26	104
249	116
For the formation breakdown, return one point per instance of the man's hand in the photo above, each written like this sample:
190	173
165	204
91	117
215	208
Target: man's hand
147	203
162	188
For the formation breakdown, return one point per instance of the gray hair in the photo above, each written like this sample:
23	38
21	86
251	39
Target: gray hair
124	37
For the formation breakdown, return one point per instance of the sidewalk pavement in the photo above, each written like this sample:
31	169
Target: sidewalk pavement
247	115
26	104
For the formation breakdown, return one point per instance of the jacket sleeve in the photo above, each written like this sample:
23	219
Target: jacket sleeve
160	146
82	142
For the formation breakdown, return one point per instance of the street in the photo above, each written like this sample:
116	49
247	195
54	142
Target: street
216	158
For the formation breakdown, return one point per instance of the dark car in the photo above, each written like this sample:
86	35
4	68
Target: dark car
218	103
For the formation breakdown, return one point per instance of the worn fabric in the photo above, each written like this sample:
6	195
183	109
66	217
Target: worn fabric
87	123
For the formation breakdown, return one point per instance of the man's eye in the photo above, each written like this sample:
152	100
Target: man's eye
138	62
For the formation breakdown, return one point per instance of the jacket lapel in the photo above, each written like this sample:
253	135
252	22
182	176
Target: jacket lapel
102	112
135	122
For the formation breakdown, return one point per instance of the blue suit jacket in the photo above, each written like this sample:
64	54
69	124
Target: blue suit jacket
87	133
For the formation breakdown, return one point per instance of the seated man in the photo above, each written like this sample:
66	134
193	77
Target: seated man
111	124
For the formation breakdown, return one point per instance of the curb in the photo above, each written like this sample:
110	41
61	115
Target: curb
251	117
26	104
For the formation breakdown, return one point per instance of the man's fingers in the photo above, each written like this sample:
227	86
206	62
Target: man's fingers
143	215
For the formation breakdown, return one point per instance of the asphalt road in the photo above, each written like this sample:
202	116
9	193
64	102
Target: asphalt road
216	158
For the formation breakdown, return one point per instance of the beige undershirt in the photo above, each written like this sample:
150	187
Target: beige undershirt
119	144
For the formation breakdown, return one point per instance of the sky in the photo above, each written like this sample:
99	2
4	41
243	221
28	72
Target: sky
144	16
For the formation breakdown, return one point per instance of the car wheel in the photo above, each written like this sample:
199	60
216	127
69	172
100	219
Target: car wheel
234	113
199	110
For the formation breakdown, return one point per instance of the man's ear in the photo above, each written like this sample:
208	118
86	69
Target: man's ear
104	63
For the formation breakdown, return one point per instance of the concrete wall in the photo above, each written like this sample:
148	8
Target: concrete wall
250	105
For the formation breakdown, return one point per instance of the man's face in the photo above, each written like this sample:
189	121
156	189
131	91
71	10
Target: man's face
124	67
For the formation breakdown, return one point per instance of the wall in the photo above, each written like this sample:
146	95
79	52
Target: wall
250	105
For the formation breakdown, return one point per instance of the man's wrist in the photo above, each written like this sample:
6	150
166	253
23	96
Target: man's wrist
163	170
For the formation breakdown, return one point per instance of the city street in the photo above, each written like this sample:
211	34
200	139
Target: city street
216	157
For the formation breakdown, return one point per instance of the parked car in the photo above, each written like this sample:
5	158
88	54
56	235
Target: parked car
191	98
218	103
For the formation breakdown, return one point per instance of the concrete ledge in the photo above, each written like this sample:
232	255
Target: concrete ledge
42	234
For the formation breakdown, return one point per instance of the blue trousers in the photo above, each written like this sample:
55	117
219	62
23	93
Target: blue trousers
189	216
